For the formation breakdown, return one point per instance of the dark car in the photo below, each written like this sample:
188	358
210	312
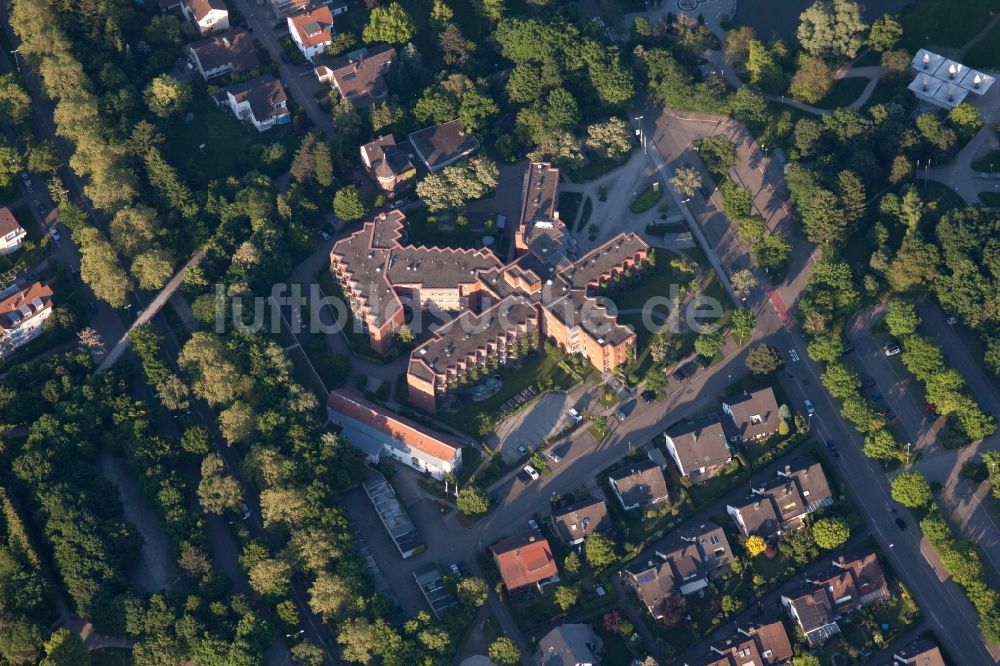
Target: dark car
834	451
900	523
648	396
623	412
680	374
524	477
875	395
703	191
868	383
932	417
847	350
702	361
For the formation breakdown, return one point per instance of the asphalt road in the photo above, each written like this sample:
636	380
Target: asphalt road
948	611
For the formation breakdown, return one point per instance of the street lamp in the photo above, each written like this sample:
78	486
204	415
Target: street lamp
908	453
17	62
639	132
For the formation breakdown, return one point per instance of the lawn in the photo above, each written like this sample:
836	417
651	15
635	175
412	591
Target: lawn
990	199
843	92
596	167
229	145
616	652
544	370
986	53
944	22
569	204
988	162
648	198
720	484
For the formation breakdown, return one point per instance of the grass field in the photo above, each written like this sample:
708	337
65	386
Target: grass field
989	162
944	22
990	199
986	53
843	92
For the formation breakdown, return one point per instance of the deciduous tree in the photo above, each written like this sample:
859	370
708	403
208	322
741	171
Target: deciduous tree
912	490
389	23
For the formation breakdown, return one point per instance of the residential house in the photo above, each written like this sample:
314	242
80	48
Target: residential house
781	505
208	15
640	486
388	164
525	560
754	414
757	644
11	233
23	311
576	522
285	7
921	652
698	447
230	52
570	645
261	102
442	145
359	77
835	593
312	30
686	560
502	310
375	430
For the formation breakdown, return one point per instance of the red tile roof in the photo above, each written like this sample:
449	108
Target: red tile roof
8	222
416	436
24	304
320	33
524	560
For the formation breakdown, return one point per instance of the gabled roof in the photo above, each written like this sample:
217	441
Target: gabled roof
387	159
360	73
640	483
313	26
569	645
392	425
443	143
265	95
233	47
813	608
581	519
772	638
921	652
700	443
812	482
24	304
200	8
524	560
755	413
784	499
653	582
694	551
8	222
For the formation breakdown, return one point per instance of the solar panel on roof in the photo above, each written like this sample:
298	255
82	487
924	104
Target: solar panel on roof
646	577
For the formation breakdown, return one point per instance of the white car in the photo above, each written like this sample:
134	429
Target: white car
532	524
892	350
55	234
809	407
794	355
575	415
532	472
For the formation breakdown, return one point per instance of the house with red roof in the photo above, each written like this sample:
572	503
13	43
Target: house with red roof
312	30
525	560
23	310
11	233
376	431
208	15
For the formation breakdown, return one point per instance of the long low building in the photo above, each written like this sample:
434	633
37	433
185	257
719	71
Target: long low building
375	431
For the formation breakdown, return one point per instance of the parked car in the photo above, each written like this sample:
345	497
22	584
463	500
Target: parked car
809	407
932	417
951	320
575	415
702	361
455	570
679	374
901	524
703	191
892	349
524	477
532	524
868	383
623	412
648	396
887	413
531	472
26	178
521	451
794	355
847	350
555	454
834	451
875	395
55	234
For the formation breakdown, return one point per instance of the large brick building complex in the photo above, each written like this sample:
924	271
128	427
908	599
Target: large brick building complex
501	310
